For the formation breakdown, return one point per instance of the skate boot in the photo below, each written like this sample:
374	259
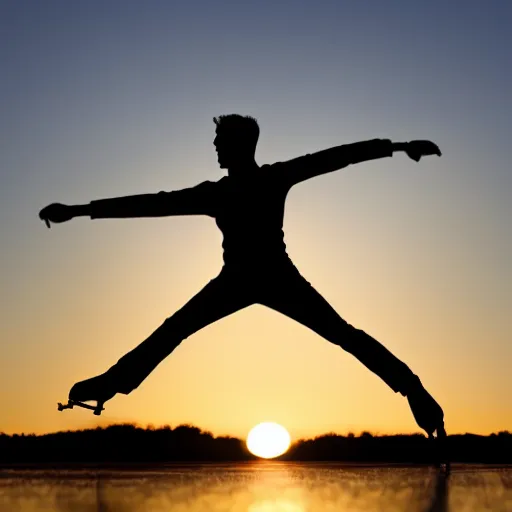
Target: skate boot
430	417
99	389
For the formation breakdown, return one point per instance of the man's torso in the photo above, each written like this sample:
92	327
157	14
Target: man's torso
249	211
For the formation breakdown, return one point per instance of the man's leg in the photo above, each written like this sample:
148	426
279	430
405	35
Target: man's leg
219	298
296	298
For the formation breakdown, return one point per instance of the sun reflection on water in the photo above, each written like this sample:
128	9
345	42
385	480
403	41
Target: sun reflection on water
276	506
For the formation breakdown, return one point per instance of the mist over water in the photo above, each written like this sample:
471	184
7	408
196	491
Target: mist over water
262	486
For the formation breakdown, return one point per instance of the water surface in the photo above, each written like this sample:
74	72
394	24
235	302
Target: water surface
258	487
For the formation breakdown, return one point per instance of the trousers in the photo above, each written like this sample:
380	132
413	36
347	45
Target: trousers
280	287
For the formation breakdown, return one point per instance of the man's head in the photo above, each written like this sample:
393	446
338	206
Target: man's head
235	140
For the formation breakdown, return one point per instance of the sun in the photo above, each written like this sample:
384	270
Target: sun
268	440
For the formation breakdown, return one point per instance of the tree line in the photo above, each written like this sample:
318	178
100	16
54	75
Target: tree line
129	443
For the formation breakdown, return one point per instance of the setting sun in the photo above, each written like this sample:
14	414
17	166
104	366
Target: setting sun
268	440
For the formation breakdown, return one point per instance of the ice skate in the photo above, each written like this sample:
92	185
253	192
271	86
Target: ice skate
430	417
99	389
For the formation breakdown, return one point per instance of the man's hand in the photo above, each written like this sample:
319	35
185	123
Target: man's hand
418	148
56	213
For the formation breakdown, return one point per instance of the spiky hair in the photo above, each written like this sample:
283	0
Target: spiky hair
244	127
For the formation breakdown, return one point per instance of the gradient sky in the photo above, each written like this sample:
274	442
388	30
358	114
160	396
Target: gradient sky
108	98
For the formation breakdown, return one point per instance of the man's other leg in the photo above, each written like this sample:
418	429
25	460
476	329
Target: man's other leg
297	299
221	297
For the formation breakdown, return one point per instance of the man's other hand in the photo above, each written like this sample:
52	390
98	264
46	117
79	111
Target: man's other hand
418	148
56	213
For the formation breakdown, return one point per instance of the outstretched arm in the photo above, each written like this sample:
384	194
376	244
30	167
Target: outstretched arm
197	200
332	159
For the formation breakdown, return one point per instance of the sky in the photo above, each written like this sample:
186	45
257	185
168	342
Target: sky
110	98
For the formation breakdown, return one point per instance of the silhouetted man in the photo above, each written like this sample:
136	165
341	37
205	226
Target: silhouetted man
248	207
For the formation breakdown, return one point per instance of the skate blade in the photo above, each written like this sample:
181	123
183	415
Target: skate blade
71	403
439	443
